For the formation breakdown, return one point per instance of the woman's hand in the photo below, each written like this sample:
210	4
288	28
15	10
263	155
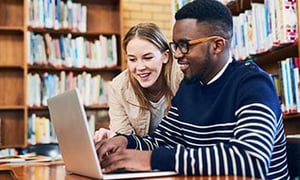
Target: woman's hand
102	134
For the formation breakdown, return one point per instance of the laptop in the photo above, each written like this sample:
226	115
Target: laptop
76	144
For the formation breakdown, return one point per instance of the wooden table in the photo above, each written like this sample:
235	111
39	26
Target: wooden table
56	171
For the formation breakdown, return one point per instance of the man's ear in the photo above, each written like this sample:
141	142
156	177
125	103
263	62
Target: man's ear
219	46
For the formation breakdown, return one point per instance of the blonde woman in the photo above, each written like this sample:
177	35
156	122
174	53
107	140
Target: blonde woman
141	95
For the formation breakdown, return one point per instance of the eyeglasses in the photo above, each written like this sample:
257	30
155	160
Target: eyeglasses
184	45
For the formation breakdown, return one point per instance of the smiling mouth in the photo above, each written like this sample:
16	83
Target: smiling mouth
183	67
144	75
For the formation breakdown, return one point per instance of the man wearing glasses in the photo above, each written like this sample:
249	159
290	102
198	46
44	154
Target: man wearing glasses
225	118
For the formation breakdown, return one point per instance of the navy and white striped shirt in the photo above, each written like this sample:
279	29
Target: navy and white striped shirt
232	126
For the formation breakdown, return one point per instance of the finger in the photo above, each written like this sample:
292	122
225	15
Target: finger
113	162
111	134
100	135
97	144
104	148
97	136
110	146
100	148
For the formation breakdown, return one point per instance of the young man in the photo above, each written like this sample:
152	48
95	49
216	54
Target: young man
225	118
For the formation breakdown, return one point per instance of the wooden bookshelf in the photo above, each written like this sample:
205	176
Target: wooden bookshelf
103	17
268	60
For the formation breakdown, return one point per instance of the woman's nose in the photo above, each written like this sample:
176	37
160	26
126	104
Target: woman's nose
141	66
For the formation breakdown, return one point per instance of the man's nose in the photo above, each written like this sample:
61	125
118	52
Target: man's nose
177	53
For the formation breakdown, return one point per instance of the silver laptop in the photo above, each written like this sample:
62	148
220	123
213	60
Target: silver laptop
76	144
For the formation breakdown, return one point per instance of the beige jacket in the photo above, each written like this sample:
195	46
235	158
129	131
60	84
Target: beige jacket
124	107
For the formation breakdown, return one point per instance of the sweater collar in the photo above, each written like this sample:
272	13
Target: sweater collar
219	74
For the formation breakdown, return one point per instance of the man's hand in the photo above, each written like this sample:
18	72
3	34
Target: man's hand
128	159
102	134
110	145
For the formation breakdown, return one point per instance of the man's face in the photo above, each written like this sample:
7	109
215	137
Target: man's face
196	62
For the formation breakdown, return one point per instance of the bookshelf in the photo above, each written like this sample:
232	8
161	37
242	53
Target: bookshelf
269	57
103	17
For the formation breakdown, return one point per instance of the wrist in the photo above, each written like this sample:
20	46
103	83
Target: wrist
122	138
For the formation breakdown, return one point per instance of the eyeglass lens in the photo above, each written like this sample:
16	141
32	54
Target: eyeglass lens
183	46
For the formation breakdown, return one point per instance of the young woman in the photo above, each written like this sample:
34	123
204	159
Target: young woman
141	95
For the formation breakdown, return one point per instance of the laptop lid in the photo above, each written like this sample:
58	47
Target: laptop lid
71	127
76	145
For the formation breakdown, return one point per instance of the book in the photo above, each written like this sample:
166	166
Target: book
27	158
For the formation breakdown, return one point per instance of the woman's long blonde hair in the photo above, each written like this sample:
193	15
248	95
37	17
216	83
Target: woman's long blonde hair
152	33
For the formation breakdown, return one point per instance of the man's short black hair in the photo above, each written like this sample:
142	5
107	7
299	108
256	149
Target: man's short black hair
211	11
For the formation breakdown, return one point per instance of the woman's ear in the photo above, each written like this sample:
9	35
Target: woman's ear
165	56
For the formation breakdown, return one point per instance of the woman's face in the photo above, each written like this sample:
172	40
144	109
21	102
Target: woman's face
145	61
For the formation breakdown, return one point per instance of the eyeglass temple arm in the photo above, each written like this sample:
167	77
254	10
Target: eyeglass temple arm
201	40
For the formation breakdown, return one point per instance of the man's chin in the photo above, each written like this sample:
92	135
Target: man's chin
191	80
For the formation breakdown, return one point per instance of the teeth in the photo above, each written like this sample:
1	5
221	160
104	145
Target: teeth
182	66
143	75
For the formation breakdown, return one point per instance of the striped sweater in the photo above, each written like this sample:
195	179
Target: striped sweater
232	126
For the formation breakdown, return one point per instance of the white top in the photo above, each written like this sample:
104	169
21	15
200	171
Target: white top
157	113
